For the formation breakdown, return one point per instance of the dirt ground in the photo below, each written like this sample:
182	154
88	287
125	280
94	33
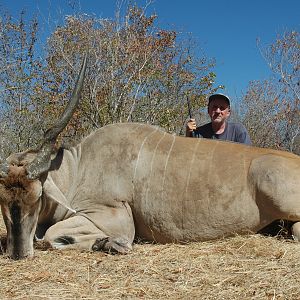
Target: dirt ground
241	267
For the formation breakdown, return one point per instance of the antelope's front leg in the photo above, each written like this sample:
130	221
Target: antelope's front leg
109	229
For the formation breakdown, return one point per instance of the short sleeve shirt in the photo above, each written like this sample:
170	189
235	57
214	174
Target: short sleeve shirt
235	132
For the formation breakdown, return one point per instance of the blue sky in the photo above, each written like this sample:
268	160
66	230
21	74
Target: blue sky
225	29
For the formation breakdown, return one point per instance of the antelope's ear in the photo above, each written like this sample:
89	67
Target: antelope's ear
5	194
31	192
4	168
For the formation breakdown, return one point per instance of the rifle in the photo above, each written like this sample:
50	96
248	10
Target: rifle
190	111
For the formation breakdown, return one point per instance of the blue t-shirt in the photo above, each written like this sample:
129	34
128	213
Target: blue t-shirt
234	132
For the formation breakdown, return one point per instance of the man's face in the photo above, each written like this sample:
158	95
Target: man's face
218	110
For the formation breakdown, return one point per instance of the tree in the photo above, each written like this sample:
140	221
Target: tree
284	60
260	111
137	72
21	83
272	108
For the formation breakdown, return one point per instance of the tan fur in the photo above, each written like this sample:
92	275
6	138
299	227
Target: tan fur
134	179
10	189
214	193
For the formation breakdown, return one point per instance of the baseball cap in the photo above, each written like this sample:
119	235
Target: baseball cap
214	96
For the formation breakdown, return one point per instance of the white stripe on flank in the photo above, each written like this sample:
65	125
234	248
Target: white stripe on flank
151	166
166	164
190	170
187	184
138	157
210	211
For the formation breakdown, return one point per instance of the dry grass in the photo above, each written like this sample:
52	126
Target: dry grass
242	267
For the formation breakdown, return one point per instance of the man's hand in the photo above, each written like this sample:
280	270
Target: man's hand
190	127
